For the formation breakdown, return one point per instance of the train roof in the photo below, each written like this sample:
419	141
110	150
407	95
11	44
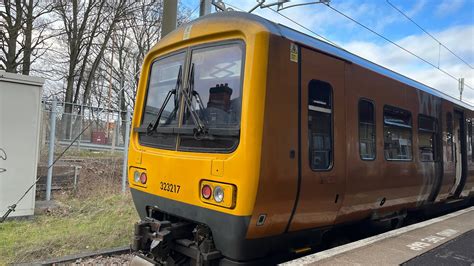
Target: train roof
328	48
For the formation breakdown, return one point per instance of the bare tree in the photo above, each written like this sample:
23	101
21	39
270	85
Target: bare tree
88	27
35	26
12	20
26	30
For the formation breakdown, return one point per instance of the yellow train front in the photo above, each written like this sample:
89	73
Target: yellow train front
195	149
251	139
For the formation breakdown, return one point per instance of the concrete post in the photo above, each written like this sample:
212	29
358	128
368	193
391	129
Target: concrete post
114	132
170	9
125	151
205	8
43	126
71	121
52	137
81	117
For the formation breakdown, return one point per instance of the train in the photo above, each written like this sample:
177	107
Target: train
250	138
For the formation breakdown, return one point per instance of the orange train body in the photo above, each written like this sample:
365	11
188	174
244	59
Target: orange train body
311	137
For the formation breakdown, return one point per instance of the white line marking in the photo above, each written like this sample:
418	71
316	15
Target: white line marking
319	109
367	241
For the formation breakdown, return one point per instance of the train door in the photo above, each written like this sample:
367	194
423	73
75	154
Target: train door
459	153
322	141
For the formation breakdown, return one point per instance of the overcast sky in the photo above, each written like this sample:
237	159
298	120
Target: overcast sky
450	21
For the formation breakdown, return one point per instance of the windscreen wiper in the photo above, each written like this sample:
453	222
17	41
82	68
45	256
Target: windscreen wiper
201	128
196	95
152	126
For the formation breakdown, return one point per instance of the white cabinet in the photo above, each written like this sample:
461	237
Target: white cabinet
20	113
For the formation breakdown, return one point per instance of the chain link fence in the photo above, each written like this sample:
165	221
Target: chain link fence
86	128
106	132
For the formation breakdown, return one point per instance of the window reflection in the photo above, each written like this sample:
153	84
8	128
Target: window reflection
217	80
366	130
427	127
397	134
320	124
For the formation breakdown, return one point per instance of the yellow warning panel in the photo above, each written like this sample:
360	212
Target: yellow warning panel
187	32
293	52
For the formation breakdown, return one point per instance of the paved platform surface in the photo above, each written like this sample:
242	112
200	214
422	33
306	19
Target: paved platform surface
445	240
459	251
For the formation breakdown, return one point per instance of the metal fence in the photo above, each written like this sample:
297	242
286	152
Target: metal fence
107	131
86	127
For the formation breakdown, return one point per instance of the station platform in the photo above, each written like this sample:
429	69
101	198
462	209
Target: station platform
445	240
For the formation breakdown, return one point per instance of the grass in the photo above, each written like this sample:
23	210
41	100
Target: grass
101	220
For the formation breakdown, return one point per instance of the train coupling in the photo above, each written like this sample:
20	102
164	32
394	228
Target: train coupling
168	243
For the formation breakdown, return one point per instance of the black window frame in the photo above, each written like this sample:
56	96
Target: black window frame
435	131
188	54
331	158
401	126
375	127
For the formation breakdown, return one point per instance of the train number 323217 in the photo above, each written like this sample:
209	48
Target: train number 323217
170	187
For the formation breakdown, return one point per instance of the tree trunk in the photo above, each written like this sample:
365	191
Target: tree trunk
28	37
13	28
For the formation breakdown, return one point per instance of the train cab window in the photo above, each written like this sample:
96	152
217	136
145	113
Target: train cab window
427	132
366	130
397	134
320	109
216	74
164	74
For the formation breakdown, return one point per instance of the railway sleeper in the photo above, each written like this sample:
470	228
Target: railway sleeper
178	243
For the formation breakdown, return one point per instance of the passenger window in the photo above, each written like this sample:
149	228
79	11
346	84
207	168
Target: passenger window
366	130
427	131
320	125
469	139
449	137
397	134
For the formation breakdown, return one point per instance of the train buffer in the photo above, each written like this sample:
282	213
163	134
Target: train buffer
445	240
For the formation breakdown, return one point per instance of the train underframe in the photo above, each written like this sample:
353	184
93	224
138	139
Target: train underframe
174	242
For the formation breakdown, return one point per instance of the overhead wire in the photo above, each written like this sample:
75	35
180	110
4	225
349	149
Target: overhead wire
297	23
397	45
374	32
194	10
429	34
306	28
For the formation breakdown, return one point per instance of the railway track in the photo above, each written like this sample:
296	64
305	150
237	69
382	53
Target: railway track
107	256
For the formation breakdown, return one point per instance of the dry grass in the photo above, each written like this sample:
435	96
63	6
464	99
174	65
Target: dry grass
96	216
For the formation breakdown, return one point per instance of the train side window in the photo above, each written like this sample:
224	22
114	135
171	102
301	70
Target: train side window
366	130
469	140
320	111
427	132
449	136
397	134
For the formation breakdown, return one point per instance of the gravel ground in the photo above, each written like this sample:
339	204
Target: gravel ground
123	259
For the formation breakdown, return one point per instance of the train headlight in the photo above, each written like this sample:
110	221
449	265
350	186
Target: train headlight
136	176
218	194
